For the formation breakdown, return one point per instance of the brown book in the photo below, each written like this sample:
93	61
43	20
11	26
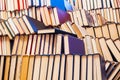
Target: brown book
106	53
2	60
77	30
50	67
8	45
7	67
30	67
37	65
43	70
24	67
113	49
77	66
69	68
52	16
56	69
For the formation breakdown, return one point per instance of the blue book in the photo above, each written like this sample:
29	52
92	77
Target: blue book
61	4
34	25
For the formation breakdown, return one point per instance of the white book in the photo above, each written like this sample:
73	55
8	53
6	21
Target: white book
12	25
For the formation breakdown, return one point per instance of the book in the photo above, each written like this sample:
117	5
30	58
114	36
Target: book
113	49
73	45
43	70
50	67
32	24
56	66
106	53
69	67
77	65
37	66
24	67
60	16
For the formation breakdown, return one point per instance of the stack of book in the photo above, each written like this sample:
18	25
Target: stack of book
59	40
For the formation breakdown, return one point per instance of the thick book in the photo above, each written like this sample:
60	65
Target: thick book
33	24
73	45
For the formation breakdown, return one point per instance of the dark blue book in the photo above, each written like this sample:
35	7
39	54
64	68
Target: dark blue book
34	25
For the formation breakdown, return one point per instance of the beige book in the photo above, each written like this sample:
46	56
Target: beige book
90	67
69	67
46	45
113	31
105	31
37	65
42	44
117	43
34	44
50	67
98	32
106	53
83	68
56	69
12	68
77	67
62	67
38	43
43	70
113	49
